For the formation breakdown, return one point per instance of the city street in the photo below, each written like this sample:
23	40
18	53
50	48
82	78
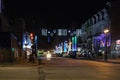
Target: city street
59	68
59	40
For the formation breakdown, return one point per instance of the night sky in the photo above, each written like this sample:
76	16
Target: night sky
58	13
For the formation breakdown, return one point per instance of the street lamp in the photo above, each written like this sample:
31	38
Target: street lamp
106	31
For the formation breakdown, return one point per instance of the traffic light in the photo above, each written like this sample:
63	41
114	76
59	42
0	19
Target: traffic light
31	36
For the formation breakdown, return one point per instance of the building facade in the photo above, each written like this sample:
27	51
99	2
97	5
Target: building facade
93	31
115	27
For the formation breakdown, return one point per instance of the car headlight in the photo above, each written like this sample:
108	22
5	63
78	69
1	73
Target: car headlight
48	56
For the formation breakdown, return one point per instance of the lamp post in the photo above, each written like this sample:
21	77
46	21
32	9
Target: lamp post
106	31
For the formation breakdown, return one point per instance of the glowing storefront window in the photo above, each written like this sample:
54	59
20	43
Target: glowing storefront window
65	46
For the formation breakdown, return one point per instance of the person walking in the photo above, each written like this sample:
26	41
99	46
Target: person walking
28	55
33	52
106	56
16	55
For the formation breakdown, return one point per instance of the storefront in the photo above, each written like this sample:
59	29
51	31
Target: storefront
99	44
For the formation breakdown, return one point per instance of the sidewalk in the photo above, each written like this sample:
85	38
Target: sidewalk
22	62
114	61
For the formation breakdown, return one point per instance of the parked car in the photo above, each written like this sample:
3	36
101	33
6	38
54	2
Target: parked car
72	54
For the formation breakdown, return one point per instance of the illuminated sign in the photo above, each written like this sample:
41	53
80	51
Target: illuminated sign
78	32
44	32
60	32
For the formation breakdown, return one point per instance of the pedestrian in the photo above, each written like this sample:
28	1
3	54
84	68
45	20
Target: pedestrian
28	55
33	52
106	56
16	55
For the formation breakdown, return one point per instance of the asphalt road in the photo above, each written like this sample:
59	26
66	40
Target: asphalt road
61	69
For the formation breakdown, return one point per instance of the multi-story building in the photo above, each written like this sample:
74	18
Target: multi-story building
93	30
115	26
8	40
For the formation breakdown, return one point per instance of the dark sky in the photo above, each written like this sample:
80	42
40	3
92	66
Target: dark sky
53	12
